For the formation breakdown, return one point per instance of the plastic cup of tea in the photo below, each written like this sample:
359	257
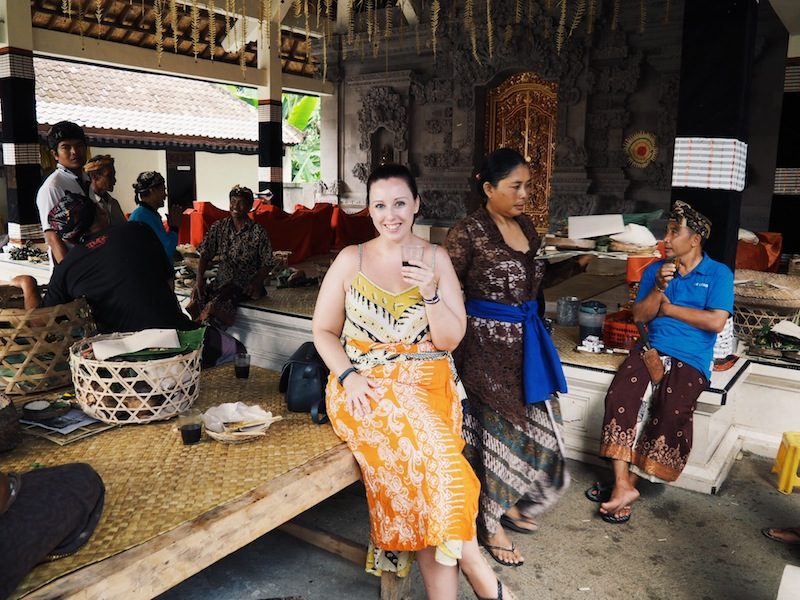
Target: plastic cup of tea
241	365
190	424
410	253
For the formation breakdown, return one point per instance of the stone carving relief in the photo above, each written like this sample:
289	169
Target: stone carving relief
434	126
570	154
383	107
443	205
659	175
537	48
434	91
361	171
442	160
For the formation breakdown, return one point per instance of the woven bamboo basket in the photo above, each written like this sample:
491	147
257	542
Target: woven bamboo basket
130	391
34	345
773	298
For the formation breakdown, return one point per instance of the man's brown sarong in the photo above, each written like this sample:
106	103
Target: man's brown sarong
662	448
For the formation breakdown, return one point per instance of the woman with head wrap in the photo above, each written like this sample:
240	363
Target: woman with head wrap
102	178
151	192
245	259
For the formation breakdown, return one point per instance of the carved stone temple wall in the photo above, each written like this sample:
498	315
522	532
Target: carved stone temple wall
396	104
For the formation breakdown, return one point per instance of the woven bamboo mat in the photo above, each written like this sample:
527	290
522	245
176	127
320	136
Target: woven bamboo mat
294	301
566	339
154	483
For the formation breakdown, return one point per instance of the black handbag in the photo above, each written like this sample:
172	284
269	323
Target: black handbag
303	380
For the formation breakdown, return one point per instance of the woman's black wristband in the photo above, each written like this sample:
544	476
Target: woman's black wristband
344	374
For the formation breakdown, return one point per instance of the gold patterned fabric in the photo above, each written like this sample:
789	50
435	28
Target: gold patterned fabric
656	439
421	491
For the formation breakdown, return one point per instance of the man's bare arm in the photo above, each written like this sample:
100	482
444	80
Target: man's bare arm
57	245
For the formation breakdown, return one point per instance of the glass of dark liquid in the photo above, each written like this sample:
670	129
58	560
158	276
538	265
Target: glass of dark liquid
190	424
241	365
410	253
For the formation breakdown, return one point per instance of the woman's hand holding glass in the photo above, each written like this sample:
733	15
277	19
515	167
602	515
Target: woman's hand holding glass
416	272
360	396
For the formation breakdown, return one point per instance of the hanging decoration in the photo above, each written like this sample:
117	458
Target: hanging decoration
561	21
641	149
158	6
195	29
98	13
267	10
642	15
243	47
562	25
212	28
489	29
173	17
435	8
80	24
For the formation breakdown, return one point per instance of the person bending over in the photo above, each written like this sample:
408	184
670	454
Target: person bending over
123	274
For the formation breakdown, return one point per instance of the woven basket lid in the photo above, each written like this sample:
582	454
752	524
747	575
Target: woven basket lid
767	289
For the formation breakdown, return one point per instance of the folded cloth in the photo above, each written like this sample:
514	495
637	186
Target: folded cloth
542	374
635	234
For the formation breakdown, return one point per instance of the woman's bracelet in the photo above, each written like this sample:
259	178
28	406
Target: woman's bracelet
661	289
345	373
433	300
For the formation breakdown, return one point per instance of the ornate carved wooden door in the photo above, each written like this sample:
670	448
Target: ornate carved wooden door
521	114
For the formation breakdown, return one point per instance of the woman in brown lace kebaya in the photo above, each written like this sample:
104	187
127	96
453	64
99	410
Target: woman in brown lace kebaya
507	361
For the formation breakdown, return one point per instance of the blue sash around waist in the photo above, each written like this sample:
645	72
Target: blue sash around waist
542	374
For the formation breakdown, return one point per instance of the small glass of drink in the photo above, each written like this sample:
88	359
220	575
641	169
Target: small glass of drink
241	365
410	253
190	424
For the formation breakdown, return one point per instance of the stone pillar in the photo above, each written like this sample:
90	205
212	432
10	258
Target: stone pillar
711	138
19	136
270	118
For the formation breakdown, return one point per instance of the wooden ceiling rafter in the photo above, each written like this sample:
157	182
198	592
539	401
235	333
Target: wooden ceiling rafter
133	23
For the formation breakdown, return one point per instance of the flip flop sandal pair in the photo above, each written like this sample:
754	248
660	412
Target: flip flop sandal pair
506	563
514	524
617	520
600	491
767	531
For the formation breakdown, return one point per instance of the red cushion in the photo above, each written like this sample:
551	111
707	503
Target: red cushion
764	256
286	231
352	229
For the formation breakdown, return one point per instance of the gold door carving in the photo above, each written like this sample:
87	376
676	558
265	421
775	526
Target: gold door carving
521	115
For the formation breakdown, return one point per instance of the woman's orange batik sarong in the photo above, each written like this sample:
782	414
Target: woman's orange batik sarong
421	491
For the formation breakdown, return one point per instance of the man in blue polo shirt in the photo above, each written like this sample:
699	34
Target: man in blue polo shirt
685	301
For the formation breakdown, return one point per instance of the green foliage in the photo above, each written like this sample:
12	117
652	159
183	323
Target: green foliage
303	112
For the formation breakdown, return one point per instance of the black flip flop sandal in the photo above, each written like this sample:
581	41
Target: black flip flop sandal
505	563
514	524
600	491
614	519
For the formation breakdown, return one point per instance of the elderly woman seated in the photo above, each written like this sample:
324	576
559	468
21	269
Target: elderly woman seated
245	259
